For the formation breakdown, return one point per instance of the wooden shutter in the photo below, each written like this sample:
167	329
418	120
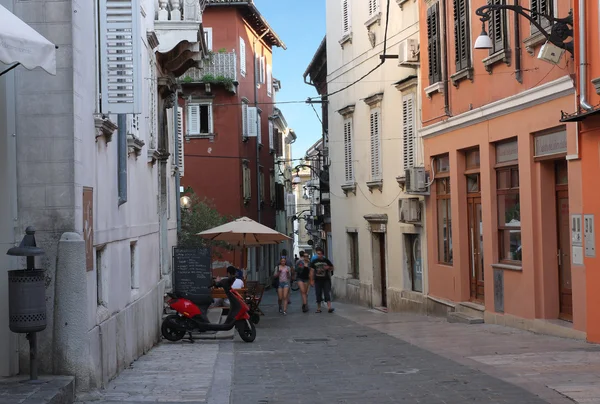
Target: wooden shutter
180	142
193	119
496	27
244	119
242	57
348	165
120	56
346	20
408	130
271	140
375	144
461	35
269	81
433	42
252	117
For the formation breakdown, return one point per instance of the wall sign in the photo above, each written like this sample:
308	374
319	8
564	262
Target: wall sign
551	143
507	151
88	227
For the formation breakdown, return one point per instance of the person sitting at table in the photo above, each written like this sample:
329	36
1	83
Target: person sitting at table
237	284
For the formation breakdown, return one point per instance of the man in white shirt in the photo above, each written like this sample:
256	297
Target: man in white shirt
237	284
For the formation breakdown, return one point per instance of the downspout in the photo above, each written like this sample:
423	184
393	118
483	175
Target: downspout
582	59
177	172
518	72
446	76
122	157
257	124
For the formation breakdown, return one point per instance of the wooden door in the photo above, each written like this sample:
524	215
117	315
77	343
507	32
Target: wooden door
563	255
476	273
382	267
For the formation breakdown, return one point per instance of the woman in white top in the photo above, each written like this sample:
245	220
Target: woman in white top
284	273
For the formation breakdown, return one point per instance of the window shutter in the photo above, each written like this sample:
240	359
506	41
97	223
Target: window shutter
408	130
290	204
496	27
348	166
262	70
252	116
194	119
433	40
258	117
244	119
180	141
120	56
346	20
269	81
271	139
461	35
375	145
208	38
242	57
373	7
210	118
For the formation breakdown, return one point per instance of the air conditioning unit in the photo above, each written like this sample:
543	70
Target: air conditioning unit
416	180
410	210
408	52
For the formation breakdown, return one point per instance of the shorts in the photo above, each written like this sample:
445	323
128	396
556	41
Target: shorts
305	280
283	285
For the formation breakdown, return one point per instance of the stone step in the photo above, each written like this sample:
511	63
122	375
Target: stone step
471	309
464	318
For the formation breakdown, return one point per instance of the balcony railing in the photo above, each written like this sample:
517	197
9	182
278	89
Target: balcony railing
181	10
218	68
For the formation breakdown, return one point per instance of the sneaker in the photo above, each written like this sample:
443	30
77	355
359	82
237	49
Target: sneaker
285	313
331	310
280	310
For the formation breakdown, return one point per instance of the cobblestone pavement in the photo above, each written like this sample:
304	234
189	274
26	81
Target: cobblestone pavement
327	358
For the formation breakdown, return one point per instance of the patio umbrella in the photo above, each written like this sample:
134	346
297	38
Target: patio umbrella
21	44
244	232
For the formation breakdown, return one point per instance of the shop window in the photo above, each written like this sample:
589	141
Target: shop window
443	164
473	160
444	220
561	172
509	214
473	185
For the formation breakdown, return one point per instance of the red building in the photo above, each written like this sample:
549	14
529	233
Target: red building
226	107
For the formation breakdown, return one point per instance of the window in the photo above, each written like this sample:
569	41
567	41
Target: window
100	289
346	20
199	119
509	214
272	191
462	35
375	124
348	162
472	171
208	38
473	159
497	27
262	185
134	265
354	263
242	57
373	7
246	176
269	81
271	137
444	210
408	130
245	120
543	7
433	44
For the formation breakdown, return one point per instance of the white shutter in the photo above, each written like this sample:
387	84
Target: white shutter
346	18
242	57
290	204
408	130
244	119
271	139
373	7
120	57
208	36
210	118
269	81
375	145
193	119
180	140
252	117
262	70
348	164
259	129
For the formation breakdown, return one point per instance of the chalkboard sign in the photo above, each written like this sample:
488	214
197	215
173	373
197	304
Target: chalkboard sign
192	271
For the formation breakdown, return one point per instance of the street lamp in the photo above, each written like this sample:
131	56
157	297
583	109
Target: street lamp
562	28
185	202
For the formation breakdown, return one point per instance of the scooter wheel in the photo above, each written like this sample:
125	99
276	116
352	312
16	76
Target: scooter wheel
255	318
169	332
247	331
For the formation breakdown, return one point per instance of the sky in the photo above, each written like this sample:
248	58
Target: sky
301	26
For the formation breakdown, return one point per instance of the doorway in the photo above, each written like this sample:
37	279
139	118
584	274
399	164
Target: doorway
476	273
412	246
379	265
564	243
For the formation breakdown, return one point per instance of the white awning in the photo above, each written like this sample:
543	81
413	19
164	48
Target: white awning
19	43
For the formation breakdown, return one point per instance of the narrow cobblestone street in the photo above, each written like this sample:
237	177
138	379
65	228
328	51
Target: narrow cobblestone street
358	355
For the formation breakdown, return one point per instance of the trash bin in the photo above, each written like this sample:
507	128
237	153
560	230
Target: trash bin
26	301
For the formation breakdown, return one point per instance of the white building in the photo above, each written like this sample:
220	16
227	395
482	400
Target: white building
378	251
103	200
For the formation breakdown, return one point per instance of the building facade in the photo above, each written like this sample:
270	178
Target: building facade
227	121
505	172
377	249
89	165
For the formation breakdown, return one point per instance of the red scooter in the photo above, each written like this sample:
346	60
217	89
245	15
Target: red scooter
191	315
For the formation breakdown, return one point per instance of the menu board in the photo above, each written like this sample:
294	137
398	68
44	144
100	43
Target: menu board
192	272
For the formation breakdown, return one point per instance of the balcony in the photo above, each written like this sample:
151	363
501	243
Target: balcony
177	21
219	69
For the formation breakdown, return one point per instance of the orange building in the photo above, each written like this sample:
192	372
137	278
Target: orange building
505	172
586	118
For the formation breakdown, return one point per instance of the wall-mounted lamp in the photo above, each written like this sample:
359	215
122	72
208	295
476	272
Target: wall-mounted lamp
186	202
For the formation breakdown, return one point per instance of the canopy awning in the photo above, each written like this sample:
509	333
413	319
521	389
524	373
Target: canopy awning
21	44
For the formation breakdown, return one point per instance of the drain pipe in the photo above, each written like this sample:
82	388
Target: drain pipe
582	59
122	157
